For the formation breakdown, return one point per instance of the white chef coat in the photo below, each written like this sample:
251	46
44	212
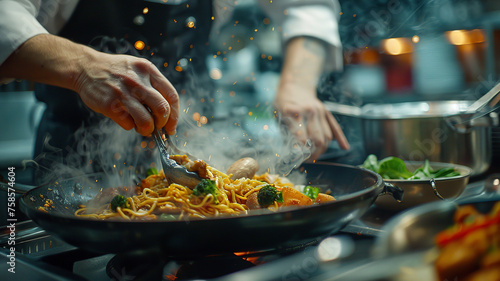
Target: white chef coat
22	19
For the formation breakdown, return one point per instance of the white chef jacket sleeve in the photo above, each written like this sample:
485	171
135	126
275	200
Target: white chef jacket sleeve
313	18
18	23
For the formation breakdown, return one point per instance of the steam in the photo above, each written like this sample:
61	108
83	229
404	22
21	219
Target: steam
124	156
222	142
102	148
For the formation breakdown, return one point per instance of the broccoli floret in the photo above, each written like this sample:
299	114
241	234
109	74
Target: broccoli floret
119	201
152	171
206	187
267	195
311	192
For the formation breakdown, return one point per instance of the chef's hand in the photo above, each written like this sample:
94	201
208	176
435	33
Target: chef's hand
118	86
307	118
296	99
121	86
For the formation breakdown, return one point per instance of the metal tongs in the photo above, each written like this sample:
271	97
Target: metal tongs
173	171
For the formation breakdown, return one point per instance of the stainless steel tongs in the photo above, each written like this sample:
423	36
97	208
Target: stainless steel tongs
173	171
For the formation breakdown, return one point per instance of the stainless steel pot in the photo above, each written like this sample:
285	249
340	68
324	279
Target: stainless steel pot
417	131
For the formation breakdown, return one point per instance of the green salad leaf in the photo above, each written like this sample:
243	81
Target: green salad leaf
395	168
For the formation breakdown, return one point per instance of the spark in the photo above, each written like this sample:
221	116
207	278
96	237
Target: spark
139	45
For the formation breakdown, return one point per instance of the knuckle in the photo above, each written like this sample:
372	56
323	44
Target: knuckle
144	64
172	96
163	108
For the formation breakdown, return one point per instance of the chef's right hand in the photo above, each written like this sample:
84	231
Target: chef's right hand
118	86
122	86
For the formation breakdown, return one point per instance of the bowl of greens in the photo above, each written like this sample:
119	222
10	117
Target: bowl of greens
422	181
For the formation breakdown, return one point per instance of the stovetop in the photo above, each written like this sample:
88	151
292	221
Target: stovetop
40	256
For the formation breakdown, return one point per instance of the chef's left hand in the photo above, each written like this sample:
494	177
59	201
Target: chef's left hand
296	99
307	118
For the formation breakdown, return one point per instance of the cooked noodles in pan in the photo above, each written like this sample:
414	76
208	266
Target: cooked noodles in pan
217	194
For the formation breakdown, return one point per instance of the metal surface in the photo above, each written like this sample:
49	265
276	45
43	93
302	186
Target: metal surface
421	191
424	130
355	189
173	171
476	108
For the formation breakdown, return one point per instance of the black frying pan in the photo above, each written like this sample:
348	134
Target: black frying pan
355	189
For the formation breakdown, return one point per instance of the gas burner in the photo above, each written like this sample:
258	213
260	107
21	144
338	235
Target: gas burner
129	266
154	265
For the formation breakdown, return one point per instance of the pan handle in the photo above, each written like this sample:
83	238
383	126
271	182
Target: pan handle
17	188
396	192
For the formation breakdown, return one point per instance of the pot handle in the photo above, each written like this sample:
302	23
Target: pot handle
17	188
342	109
432	182
396	192
457	124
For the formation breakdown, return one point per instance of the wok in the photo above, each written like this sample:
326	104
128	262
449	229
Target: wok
355	189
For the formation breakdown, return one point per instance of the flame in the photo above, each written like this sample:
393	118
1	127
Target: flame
170	277
254	260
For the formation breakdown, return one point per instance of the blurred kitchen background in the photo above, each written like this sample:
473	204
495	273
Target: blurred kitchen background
394	51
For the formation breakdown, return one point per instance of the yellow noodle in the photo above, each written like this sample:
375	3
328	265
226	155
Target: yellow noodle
158	196
119	210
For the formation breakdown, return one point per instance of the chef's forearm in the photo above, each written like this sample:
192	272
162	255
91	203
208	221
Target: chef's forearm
47	59
304	61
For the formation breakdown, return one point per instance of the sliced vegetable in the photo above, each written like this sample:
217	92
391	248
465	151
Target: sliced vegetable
311	192
152	171
293	197
446	237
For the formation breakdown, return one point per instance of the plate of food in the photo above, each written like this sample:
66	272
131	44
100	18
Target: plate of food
422	181
454	240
